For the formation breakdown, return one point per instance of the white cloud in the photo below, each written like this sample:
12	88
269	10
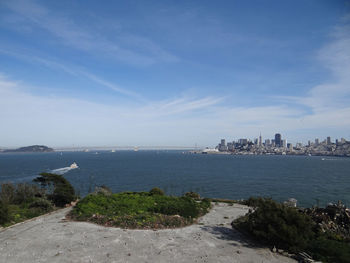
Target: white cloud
27	119
72	70
56	121
335	94
144	52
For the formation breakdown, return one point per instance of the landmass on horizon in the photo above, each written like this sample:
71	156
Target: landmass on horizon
32	148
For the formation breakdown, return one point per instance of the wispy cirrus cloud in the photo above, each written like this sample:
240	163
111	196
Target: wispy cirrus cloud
178	121
143	52
66	119
72	70
334	95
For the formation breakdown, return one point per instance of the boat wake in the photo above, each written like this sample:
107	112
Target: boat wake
64	170
61	171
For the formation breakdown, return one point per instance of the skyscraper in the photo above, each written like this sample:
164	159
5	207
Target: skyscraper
222	146
284	143
278	138
328	140
260	140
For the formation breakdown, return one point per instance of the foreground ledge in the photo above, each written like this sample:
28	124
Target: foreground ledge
51	238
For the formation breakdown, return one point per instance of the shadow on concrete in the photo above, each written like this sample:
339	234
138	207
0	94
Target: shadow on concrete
229	234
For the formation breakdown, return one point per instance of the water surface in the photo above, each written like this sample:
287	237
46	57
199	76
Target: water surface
308	179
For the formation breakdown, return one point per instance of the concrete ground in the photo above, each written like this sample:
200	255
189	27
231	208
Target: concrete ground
51	238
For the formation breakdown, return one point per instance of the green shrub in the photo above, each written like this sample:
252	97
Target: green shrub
329	250
192	195
41	203
4	213
104	190
19	193
156	191
7	194
139	210
255	201
26	192
277	225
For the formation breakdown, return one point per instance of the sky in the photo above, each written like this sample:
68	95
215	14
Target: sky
172	73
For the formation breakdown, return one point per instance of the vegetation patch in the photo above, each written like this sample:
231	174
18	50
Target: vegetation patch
19	202
290	229
142	210
58	189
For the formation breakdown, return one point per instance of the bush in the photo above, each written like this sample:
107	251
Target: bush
4	213
104	190
192	195
182	206
277	225
7	194
26	192
19	193
139	210
328	250
255	201
156	191
41	203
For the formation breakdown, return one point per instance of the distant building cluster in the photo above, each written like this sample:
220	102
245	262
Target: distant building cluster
279	145
258	142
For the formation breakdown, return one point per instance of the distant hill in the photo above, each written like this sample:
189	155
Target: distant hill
33	148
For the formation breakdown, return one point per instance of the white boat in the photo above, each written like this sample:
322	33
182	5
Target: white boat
74	166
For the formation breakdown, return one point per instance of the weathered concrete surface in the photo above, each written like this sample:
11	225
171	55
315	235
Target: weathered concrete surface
51	238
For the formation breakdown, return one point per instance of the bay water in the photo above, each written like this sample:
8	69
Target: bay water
309	179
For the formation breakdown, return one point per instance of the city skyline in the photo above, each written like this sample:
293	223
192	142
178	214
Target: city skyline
284	141
280	146
172	73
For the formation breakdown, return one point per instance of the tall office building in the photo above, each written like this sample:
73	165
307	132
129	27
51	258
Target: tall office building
328	140
273	143
284	143
278	142
243	141
317	142
222	146
260	140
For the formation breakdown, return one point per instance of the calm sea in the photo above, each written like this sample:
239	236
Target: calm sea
308	179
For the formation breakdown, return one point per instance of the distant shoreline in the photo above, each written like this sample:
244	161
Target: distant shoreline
267	154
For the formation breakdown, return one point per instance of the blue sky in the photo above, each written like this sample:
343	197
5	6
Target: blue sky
161	73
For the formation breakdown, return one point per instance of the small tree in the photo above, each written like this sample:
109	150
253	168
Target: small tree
60	191
156	191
